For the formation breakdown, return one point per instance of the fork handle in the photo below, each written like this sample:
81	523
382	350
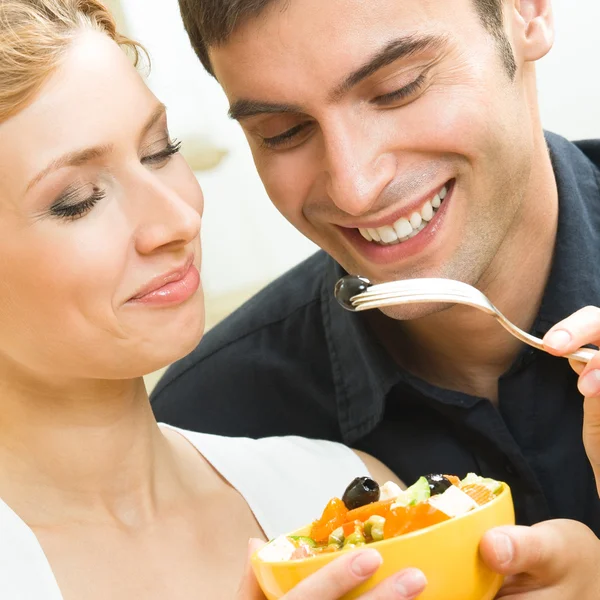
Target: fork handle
583	355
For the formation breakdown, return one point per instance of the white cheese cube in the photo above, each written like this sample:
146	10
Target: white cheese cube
453	502
389	490
280	549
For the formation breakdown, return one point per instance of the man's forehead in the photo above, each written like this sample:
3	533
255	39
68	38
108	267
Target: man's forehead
282	63
292	39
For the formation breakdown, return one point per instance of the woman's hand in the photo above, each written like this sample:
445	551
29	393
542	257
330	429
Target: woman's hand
340	577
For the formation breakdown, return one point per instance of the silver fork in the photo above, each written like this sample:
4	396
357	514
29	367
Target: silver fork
357	294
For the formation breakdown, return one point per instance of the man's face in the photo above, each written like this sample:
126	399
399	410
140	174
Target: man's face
387	132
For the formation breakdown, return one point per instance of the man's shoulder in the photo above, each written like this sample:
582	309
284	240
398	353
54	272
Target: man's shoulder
580	155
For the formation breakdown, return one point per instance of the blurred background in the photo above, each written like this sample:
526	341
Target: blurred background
246	243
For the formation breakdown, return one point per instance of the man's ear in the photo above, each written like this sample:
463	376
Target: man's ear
533	27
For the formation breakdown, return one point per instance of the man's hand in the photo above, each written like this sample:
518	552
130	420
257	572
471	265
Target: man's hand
340	577
554	560
580	329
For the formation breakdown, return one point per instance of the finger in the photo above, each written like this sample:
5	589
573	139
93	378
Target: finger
582	327
544	552
249	588
577	366
591	435
406	585
338	577
346	573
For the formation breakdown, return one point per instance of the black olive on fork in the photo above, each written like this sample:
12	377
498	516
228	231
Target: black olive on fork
348	287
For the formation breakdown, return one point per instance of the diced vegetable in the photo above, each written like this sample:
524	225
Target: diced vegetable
405	519
381	508
480	493
494	486
331	519
374	527
301	539
418	492
355	536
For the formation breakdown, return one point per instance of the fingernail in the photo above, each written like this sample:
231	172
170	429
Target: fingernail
366	563
558	340
503	548
410	583
589	385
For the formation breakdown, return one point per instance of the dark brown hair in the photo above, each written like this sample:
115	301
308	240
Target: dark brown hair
211	22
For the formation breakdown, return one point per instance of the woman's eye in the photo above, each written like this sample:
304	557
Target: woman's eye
71	210
164	155
288	138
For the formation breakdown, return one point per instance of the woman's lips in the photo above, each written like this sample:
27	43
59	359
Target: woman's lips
170	289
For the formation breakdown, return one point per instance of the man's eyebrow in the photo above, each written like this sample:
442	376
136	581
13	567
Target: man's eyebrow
400	48
242	109
80	157
395	50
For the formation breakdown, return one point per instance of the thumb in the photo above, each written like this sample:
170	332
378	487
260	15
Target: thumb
249	588
536	551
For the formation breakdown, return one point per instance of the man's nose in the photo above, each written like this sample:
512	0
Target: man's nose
358	170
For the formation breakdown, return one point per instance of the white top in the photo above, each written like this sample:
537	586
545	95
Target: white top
286	482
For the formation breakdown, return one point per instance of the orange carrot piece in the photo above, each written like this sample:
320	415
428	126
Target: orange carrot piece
333	517
453	479
363	513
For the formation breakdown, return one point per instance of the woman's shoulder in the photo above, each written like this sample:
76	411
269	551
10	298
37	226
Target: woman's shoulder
286	480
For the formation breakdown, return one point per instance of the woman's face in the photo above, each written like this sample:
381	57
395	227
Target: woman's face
97	210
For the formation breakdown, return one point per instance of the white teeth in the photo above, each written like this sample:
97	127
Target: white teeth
427	211
373	233
415	220
388	235
402	228
365	233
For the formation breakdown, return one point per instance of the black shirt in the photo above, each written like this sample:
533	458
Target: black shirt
292	361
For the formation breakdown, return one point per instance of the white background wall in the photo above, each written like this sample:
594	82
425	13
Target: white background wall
246	242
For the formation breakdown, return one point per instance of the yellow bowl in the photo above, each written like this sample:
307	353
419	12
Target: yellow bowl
448	554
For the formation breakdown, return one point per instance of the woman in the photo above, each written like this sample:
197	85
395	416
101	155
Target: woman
99	234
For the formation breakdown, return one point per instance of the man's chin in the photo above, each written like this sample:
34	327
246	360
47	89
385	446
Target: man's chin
409	312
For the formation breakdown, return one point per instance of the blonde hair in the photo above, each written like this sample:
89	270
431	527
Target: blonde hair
34	37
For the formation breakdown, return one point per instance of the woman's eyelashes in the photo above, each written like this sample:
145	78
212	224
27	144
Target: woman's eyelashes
71	208
76	203
162	156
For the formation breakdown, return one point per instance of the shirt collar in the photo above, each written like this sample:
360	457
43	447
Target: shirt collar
364	373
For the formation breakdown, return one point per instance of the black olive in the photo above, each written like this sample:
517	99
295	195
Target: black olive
438	484
363	490
348	287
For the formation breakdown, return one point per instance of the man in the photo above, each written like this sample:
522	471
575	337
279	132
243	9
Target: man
403	137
